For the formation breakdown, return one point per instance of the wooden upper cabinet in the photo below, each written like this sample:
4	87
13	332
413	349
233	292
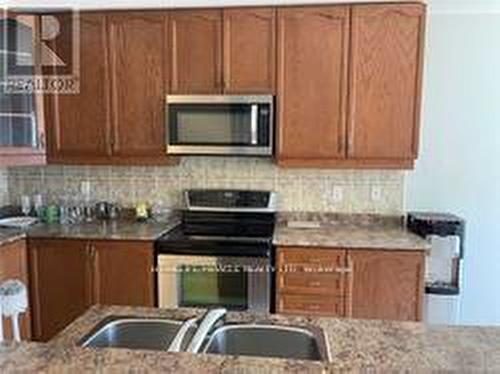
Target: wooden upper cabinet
313	46
138	72
249	50
79	123
385	81
196	51
386	285
113	259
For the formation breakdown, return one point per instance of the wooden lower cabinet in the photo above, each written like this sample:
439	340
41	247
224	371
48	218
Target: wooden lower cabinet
387	284
60	292
13	265
357	283
123	273
68	276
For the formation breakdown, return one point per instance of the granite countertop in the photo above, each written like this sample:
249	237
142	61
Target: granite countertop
354	345
104	230
335	230
346	231
10	235
99	230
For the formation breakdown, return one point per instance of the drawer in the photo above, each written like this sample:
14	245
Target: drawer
311	282
311	256
311	305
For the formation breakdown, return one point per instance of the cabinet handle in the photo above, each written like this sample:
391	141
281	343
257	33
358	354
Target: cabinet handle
222	83
313	307
315	260
349	291
314	284
343	270
90	251
347	269
41	140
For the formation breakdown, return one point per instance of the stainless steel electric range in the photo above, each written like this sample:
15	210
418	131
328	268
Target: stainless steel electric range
221	253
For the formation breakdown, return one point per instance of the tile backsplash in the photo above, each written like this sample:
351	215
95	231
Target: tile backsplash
298	189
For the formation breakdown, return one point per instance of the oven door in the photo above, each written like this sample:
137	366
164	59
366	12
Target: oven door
236	125
236	283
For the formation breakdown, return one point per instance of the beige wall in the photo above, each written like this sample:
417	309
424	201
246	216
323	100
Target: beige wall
298	189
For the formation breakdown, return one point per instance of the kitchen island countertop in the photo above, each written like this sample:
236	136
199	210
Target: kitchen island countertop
354	345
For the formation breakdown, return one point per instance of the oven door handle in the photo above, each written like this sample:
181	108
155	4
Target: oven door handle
254	118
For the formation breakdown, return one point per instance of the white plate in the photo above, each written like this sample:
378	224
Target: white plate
18	222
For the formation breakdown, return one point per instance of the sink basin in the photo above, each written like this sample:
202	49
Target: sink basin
266	341
141	333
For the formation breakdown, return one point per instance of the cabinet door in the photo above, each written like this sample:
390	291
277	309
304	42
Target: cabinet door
60	284
387	284
196	51
14	265
249	50
385	80
138	71
79	123
22	129
123	273
312	75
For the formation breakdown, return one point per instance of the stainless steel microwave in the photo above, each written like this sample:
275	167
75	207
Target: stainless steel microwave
220	125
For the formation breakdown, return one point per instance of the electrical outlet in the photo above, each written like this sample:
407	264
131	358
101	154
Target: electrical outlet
337	194
85	188
376	193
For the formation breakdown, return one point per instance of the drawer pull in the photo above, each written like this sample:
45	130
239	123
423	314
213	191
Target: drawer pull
314	284
343	270
314	307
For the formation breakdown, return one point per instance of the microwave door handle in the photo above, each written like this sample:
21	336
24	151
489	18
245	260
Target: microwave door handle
254	114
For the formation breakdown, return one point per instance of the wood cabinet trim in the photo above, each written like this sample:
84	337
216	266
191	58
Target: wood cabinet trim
419	79
347	163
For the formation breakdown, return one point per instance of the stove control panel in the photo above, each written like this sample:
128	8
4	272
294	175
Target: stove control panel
230	200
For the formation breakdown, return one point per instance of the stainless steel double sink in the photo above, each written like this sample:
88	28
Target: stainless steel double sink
209	335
